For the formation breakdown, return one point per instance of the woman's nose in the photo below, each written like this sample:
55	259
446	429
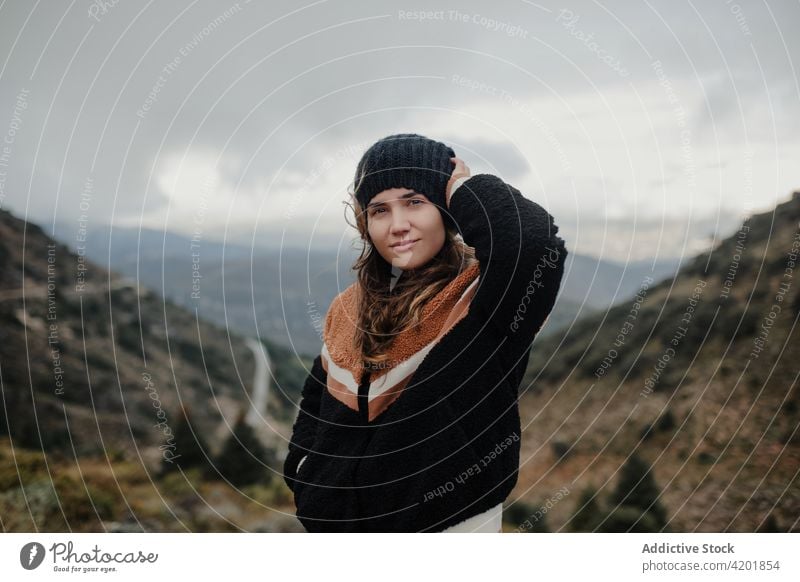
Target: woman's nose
399	222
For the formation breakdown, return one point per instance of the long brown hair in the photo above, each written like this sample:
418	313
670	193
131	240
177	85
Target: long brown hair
384	309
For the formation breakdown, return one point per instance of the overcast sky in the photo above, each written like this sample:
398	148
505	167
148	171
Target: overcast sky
644	127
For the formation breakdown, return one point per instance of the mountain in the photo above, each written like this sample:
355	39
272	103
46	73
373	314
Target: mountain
283	293
678	405
697	374
98	375
106	245
593	285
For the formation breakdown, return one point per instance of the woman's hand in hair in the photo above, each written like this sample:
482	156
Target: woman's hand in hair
460	171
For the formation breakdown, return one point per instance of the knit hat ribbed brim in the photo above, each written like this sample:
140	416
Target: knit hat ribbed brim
406	160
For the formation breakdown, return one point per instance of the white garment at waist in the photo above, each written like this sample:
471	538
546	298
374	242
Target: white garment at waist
490	520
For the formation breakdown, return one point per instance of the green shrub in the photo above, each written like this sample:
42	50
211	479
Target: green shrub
637	489
243	458
588	513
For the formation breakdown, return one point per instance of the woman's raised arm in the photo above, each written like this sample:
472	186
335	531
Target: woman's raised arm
521	258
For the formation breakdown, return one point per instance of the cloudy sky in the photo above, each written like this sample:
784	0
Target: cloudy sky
644	127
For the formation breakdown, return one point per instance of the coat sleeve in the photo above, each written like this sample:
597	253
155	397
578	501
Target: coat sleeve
305	426
521	259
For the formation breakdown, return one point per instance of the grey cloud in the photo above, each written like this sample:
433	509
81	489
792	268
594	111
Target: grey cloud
384	71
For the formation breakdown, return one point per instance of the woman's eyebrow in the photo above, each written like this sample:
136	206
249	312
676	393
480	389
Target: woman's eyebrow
406	195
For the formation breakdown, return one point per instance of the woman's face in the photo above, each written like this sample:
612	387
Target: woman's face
400	214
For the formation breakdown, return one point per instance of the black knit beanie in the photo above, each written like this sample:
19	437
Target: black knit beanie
406	160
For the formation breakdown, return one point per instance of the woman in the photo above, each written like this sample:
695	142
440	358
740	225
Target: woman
408	420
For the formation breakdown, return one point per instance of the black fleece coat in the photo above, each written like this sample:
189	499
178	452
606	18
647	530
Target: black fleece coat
448	447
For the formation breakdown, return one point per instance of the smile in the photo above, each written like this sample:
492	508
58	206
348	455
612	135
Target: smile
404	246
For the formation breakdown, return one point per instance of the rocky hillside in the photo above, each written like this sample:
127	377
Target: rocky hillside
676	410
96	372
696	375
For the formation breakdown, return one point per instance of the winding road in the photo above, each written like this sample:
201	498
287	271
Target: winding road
261	379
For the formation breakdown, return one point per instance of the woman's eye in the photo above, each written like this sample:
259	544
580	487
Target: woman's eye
411	202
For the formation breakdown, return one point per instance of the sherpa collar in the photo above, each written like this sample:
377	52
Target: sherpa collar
344	365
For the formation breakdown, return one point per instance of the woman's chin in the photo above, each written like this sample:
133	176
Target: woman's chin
403	261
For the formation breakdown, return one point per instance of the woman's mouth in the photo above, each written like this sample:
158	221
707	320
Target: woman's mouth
404	246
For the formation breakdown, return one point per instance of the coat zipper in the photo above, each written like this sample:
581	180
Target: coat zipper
363	397
363	414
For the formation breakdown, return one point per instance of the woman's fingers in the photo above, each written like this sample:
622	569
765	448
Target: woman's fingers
460	170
